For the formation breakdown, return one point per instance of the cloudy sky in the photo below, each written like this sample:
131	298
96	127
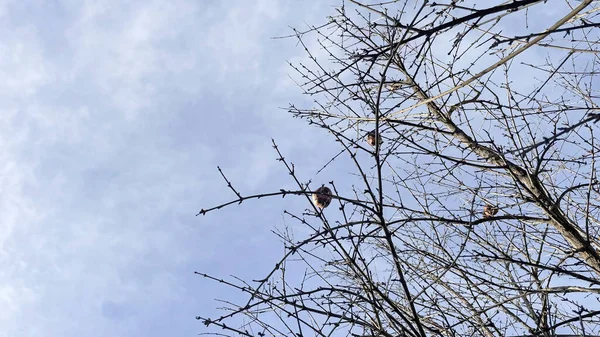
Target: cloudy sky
115	115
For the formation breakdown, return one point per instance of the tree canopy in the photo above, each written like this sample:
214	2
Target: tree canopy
473	203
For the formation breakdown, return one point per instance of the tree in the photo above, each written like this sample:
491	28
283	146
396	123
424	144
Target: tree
478	213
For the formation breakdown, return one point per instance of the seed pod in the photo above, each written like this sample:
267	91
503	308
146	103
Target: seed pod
372	137
322	197
489	211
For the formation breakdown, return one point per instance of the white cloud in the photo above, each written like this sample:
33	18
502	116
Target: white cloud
114	119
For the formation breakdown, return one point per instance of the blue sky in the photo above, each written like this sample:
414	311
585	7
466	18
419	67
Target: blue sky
115	115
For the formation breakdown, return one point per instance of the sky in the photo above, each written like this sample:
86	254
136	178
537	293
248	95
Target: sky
115	115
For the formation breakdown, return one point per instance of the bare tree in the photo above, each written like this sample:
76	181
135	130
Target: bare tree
475	202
